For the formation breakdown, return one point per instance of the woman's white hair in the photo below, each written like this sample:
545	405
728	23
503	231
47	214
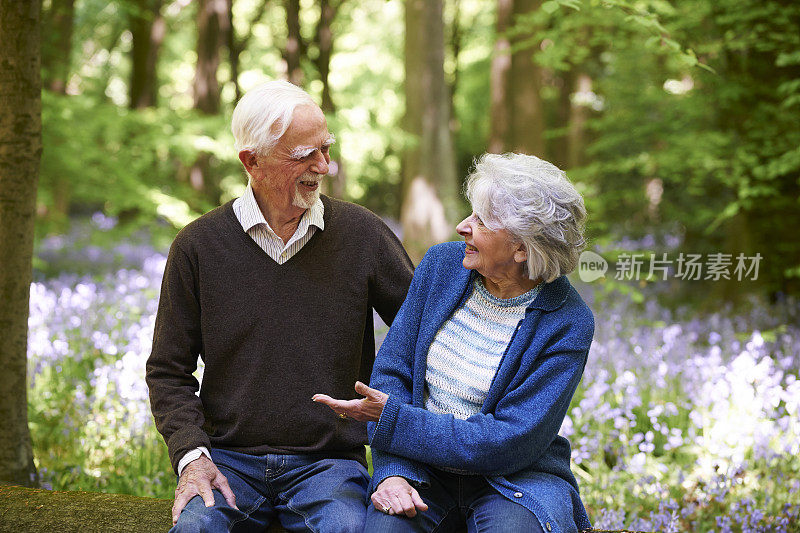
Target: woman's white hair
264	113
535	202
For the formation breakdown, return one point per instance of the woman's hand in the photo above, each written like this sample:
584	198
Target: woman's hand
367	409
396	496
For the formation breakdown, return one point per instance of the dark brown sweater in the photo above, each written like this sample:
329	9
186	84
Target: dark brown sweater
271	335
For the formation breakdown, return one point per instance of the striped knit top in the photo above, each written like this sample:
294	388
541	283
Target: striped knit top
466	352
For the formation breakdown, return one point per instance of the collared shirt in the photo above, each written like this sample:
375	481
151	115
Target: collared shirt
254	224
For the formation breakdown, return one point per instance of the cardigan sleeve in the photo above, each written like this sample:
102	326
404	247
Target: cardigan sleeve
393	373
177	343
525	422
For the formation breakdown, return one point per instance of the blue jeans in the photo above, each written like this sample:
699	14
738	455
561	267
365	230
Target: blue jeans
304	492
456	502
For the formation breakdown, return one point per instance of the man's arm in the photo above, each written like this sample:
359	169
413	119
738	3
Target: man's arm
177	409
391	276
191	455
177	343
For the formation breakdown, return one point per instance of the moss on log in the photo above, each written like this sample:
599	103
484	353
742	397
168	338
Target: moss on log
25	510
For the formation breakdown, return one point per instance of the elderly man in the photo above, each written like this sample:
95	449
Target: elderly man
274	291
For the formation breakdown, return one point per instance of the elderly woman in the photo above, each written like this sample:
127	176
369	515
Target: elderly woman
475	376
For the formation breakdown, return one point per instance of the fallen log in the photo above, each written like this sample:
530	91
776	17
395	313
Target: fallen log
24	510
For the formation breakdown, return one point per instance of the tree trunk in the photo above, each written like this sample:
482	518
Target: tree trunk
57	45
323	38
235	52
58	22
236	45
501	67
455	45
517	116
295	47
429	202
525	82
579	113
212	25
147	29
20	153
558	147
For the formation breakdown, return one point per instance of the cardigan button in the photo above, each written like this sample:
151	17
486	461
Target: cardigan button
547	525
518	495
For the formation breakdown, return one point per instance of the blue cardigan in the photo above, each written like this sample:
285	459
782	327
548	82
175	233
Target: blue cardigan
514	440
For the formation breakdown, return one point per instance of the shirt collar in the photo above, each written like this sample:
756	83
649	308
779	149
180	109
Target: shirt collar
252	216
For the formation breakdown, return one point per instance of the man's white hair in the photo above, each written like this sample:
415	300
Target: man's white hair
535	202
264	114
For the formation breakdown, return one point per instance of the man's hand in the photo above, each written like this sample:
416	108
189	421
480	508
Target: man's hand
367	409
200	477
396	496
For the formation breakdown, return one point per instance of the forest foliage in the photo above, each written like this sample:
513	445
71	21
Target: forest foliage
674	118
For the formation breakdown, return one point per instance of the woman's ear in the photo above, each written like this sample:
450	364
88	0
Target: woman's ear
520	254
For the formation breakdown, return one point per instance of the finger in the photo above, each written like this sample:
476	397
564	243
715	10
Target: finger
336	405
397	504
408	505
222	484
418	502
364	390
371	395
180	502
205	492
380	504
323	399
411	504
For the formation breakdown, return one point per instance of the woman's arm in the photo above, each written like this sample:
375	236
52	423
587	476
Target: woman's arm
522	426
524	423
386	465
393	372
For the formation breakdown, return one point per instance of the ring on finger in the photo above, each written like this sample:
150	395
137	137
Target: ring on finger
387	509
343	416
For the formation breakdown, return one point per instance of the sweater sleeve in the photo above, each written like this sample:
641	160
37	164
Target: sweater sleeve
523	425
393	374
391	275
177	343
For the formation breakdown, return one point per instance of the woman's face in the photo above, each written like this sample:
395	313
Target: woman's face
492	253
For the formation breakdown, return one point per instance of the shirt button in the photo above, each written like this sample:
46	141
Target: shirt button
547	525
518	495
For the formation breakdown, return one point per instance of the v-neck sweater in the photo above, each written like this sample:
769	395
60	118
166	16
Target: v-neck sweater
271	335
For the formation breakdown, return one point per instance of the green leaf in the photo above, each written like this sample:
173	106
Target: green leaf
690	58
551	6
572	4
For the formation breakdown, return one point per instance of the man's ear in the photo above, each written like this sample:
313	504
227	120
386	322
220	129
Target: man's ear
248	159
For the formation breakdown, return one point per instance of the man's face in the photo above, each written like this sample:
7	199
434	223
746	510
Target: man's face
290	175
